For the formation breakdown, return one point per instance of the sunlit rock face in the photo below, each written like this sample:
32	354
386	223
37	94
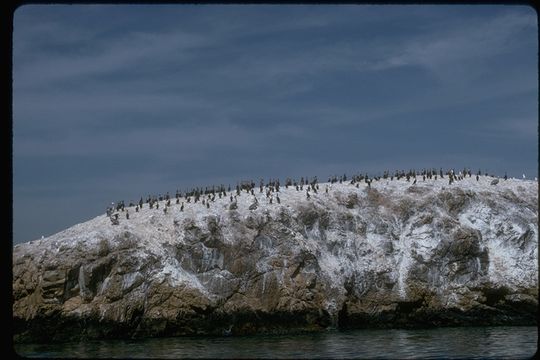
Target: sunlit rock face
390	255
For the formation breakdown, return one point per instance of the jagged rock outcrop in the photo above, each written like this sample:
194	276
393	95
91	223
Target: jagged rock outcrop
393	255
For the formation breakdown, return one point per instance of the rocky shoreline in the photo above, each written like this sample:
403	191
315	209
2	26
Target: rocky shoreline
391	255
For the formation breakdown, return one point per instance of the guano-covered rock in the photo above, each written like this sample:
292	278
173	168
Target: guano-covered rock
393	255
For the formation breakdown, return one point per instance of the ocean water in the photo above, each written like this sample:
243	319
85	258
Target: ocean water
519	342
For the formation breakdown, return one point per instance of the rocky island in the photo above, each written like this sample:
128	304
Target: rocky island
383	254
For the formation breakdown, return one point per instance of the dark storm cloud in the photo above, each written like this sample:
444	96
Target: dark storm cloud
115	102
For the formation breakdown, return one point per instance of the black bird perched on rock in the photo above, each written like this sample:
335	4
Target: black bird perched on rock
414	182
278	201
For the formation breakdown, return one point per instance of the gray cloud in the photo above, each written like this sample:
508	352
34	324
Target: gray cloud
114	102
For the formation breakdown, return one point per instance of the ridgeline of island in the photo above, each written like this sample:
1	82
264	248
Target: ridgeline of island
382	252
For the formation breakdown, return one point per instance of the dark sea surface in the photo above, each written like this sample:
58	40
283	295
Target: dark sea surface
518	342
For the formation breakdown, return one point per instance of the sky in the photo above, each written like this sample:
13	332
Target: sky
115	102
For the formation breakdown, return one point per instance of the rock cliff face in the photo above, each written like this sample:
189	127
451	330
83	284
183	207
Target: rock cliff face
393	255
